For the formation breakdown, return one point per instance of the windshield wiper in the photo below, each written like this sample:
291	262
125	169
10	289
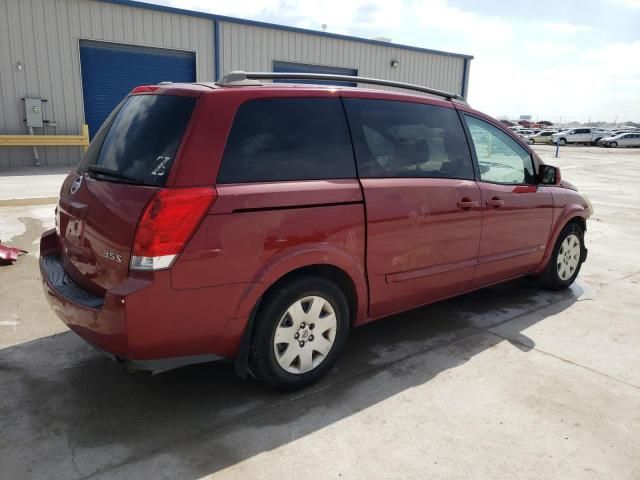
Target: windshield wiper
107	172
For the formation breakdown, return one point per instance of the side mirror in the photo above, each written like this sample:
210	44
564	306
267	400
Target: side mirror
549	175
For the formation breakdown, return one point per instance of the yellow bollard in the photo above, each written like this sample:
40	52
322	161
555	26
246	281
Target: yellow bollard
85	135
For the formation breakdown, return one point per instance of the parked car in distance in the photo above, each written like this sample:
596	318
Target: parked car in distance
260	222
613	133
524	133
621	140
579	135
609	134
541	137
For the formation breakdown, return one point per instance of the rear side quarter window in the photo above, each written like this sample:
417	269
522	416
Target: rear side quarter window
283	139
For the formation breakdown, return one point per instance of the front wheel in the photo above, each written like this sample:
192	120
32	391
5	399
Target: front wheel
562	141
566	259
613	144
301	328
531	141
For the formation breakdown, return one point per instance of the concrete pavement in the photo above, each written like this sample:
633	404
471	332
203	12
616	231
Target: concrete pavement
31	185
507	382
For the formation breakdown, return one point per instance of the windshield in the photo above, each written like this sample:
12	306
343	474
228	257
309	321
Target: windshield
138	144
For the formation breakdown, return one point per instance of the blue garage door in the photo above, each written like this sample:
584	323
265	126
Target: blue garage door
110	71
289	67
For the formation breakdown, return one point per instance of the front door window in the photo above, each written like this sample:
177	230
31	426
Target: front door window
500	158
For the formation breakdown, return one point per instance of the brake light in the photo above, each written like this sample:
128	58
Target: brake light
167	223
145	88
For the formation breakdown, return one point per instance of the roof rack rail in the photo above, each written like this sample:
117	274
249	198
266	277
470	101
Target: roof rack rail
240	78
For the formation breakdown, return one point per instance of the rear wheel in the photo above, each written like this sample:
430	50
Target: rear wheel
566	259
301	328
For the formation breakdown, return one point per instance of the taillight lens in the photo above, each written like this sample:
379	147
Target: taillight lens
167	223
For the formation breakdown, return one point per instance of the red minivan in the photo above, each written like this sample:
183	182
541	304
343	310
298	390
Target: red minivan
260	222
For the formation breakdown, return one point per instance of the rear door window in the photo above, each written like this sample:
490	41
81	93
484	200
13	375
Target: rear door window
140	144
408	140
281	139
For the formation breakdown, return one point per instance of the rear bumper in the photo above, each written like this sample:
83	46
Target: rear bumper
144	321
100	321
157	365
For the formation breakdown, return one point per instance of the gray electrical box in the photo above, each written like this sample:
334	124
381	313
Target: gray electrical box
33	110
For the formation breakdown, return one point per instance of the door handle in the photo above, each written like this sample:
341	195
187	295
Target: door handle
466	204
495	202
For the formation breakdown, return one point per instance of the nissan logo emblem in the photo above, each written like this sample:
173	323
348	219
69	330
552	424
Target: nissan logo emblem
76	185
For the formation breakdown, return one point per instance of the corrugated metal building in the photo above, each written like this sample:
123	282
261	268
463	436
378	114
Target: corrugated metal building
83	56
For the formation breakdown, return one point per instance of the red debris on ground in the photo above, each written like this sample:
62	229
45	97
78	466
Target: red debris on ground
8	255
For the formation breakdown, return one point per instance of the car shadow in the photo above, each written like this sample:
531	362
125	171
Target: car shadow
68	412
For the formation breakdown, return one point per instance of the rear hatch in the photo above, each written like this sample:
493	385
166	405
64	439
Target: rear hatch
127	163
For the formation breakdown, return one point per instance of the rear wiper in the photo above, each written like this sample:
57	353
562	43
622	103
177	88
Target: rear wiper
107	172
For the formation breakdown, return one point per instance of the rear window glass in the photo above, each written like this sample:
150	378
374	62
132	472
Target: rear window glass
141	141
280	139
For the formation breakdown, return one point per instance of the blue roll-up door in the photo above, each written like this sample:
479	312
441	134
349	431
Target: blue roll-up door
110	71
290	67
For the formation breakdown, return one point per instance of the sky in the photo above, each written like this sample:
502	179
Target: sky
571	60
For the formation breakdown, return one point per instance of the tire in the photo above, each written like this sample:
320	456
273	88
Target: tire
613	144
293	312
531	141
595	143
562	141
566	259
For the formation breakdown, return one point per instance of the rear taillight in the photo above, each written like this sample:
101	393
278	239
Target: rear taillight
167	223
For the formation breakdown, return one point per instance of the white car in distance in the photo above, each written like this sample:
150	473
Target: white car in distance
631	139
